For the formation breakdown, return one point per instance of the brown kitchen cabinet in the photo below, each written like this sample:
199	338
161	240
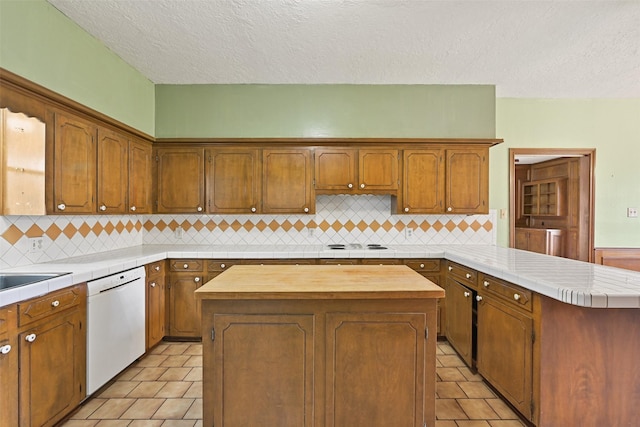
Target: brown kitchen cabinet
430	269
467	180
423	182
139	200
180	180
287	176
459	318
505	341
356	171
156	303
544	198
541	240
72	189
52	355
183	313
234	181
8	367
113	172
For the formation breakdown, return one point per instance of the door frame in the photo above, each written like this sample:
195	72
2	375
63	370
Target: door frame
590	153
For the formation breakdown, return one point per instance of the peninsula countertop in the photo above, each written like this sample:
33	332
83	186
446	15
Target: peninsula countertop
573	282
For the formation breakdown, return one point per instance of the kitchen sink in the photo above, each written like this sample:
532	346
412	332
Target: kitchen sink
11	280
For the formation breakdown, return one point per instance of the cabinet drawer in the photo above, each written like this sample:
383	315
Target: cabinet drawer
280	262
462	274
421	265
52	303
186	265
371	261
513	294
221	265
155	268
339	261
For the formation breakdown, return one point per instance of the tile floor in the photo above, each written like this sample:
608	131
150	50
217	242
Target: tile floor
164	389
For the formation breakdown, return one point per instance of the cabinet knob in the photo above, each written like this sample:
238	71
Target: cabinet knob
486	284
132	208
306	210
197	279
362	185
55	303
450	268
349	185
5	349
199	209
223	265
478	298
406	209
62	206
467	294
152	284
185	266
253	209
468	276
421	265
30	338
516	297
103	208
449	209
157	268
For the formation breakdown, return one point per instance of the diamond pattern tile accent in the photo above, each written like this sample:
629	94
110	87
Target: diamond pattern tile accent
12	234
34	231
70	230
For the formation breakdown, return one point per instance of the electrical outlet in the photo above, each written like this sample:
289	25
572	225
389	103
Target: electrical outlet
632	212
36	244
178	233
408	233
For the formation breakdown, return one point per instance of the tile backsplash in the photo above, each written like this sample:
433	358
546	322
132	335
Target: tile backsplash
338	219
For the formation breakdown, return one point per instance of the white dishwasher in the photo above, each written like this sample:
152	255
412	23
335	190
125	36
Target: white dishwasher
115	325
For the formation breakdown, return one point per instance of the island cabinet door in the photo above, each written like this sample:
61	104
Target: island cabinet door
375	369
261	370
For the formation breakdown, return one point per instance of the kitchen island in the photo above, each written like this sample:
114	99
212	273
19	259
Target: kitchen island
319	345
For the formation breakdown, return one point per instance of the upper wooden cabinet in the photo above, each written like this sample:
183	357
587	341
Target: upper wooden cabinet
423	179
286	181
74	165
467	180
234	182
346	171
140	177
180	180
544	198
113	172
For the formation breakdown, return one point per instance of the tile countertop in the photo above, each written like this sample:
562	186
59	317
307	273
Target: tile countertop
574	282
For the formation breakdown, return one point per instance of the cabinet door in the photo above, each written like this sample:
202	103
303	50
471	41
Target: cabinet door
377	169
255	382
113	172
423	184
52	369
287	175
184	311
459	318
180	180
505	352
155	310
140	177
538	241
521	239
8	367
233	178
74	165
467	181
375	369
335	169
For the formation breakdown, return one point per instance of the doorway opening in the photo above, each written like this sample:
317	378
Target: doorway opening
551	200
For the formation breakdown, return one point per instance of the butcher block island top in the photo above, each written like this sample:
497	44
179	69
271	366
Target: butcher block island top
319	282
312	345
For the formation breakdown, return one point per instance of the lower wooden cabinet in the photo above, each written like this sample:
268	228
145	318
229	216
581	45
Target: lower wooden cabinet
156	304
184	312
541	240
459	318
8	367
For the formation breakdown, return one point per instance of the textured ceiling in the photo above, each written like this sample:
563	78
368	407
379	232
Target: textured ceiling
545	49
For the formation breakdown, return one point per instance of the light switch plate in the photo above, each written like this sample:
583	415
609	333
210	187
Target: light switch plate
632	212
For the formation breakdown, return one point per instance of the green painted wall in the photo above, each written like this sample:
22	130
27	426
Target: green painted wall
41	44
611	126
446	111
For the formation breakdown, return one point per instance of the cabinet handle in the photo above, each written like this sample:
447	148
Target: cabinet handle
468	276
362	185
132	208
306	210
486	284
185	266
450	268
199	209
421	265
349	185
103	208
222	265
449	209
62	206
157	268
30	338
55	303
467	294
5	349
478	298
516	297
197	279
152	284
253	209
406	209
